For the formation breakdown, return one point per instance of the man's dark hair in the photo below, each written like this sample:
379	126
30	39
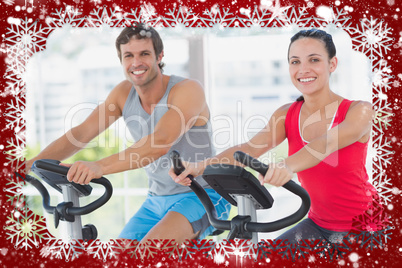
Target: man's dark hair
140	31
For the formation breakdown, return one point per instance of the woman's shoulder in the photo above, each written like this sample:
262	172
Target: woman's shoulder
283	110
360	107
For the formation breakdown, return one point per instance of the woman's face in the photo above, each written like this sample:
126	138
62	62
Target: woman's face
310	66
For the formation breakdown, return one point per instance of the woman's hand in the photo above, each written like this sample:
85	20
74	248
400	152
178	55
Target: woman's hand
194	169
278	174
82	172
28	166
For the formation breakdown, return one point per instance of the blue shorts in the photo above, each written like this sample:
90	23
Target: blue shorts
155	208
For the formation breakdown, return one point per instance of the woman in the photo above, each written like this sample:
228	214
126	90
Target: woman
328	137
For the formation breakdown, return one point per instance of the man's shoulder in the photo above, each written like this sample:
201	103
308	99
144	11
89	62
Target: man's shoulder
186	88
122	89
124	85
183	82
120	93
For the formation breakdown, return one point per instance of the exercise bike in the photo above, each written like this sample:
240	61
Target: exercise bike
69	211
240	188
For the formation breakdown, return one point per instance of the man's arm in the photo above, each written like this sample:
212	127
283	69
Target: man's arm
186	103
78	137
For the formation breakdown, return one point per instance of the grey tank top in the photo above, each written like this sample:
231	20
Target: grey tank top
194	146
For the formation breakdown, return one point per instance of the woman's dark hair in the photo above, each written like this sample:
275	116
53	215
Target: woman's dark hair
325	37
140	31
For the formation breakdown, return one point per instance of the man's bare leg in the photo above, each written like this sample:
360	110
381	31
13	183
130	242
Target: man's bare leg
174	226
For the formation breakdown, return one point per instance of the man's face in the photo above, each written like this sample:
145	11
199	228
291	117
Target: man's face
139	61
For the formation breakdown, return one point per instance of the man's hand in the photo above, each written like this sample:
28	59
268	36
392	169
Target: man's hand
82	172
191	169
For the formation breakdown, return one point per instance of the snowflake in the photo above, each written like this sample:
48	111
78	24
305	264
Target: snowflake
125	245
371	228
292	17
373	39
239	249
206	247
383	115
326	249
14	115
69	15
96	2
372	240
383	186
109	17
24	40
43	11
257	17
102	250
217	15
26	229
15	152
180	16
266	247
339	18
311	258
222	249
13	76
381	77
150	249
383	153
147	11
16	121
179	251
14	193
300	249
262	17
244	249
9	2
68	250
373	219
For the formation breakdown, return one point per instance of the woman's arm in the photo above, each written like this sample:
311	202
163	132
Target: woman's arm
355	128
269	137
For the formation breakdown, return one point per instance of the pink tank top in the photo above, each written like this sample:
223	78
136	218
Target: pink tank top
338	186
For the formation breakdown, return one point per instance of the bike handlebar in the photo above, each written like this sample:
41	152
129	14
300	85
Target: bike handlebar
291	186
250	226
62	171
178	168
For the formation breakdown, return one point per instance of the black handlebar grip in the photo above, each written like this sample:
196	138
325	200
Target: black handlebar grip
98	202
250	161
42	190
201	194
290	186
178	167
63	170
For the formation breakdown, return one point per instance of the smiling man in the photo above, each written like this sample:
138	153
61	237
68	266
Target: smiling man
163	113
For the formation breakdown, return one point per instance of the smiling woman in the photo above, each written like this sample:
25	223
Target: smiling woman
311	56
328	137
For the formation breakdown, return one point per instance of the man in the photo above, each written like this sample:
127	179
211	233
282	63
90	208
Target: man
163	113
